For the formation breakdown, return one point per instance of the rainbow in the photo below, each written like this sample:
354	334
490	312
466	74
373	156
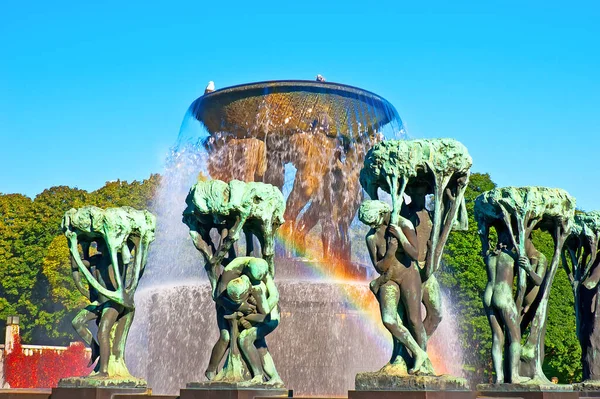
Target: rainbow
366	306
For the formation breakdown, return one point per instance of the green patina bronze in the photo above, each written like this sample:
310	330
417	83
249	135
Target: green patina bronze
580	260
242	286
514	212
121	237
406	241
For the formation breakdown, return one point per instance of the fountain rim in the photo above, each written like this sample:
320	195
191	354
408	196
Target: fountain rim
296	84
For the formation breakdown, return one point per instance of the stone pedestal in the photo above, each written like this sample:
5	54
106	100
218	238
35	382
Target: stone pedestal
209	390
411	395
24	393
527	391
588	389
96	393
381	385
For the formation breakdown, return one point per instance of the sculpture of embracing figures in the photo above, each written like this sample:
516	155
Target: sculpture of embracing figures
120	238
243	288
406	242
514	212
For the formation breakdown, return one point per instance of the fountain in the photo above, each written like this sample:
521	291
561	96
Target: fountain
308	139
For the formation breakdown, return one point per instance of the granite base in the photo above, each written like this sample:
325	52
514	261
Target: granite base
220	390
24	393
527	391
95	392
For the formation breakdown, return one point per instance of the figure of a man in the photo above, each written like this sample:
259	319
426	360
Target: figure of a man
416	211
501	308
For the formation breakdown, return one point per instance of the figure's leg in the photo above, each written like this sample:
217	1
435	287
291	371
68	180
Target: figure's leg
432	300
497	345
80	322
508	312
261	344
110	313
246	342
123	326
220	346
410	294
389	297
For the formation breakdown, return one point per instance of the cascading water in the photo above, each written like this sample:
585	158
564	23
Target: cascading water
308	138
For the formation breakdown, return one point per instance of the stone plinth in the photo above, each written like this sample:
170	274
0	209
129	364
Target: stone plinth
95	393
381	381
527	391
411	395
382	385
215	390
99	382
19	393
588	389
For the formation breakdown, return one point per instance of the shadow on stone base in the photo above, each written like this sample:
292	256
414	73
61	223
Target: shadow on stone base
222	390
527	391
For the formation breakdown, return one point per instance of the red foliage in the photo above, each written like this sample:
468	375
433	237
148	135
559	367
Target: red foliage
46	369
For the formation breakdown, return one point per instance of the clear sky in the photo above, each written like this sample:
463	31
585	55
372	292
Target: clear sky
95	91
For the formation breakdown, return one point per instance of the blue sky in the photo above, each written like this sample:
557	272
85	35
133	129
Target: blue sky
95	91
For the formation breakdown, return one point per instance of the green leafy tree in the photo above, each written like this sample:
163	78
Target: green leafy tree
16	278
463	276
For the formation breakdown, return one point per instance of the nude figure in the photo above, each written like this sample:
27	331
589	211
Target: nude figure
393	251
259	315
420	217
501	308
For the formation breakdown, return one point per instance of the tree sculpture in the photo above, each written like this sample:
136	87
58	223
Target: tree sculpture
242	287
406	241
121	237
580	259
514	213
